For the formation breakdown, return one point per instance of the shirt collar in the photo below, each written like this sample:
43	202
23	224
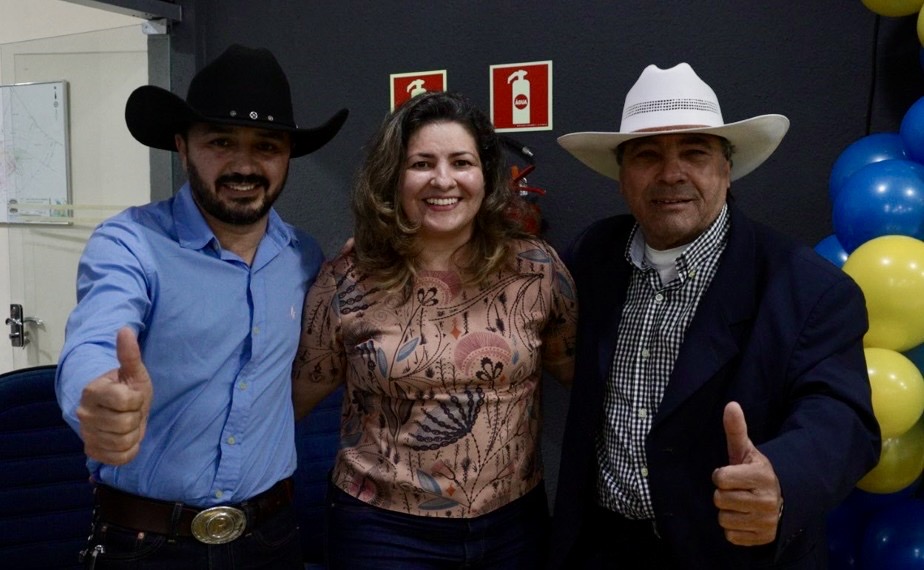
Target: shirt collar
193	232
702	247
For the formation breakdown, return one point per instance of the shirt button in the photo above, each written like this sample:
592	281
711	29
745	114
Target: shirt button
231	440
658	298
256	330
644	471
218	494
692	273
645	353
642	413
242	385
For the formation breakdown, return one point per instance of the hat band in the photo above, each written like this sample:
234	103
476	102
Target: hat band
671	128
659	105
255	116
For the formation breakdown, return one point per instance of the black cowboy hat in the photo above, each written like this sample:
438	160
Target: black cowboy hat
243	86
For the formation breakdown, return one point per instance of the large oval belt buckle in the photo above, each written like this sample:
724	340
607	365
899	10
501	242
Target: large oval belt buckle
218	525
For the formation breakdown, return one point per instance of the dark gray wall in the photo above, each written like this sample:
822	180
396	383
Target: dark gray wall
813	61
836	69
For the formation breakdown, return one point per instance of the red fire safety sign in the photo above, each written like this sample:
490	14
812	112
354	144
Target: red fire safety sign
406	85
521	96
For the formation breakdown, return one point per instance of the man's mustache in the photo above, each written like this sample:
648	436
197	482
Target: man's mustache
243	179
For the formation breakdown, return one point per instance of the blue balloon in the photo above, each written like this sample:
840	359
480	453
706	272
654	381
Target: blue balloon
882	198
912	131
894	538
845	528
832	250
846	524
867	504
867	150
916	355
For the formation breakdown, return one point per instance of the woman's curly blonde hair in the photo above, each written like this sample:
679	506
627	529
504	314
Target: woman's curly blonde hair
384	246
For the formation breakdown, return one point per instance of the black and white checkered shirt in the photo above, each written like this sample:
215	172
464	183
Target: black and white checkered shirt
654	321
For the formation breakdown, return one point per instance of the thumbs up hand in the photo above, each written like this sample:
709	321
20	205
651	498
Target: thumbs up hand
748	493
114	408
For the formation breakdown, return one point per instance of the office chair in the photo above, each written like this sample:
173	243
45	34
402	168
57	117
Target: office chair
46	499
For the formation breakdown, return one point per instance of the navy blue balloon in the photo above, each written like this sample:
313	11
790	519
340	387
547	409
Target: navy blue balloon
868	504
912	131
832	250
916	355
845	528
847	523
882	198
867	150
894	538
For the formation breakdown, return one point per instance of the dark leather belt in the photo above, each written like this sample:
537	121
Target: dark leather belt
216	525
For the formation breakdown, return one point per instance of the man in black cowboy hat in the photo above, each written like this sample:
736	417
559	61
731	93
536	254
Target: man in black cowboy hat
720	371
176	369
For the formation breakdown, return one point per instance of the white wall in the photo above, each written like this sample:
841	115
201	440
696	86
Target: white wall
102	56
22	20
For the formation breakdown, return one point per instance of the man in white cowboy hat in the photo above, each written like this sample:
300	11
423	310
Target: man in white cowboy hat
720	366
176	369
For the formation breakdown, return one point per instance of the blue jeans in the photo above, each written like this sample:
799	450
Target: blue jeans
361	536
274	544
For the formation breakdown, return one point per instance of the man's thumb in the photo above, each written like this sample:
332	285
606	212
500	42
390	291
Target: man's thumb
131	369
736	433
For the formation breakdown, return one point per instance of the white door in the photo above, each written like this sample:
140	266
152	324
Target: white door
109	171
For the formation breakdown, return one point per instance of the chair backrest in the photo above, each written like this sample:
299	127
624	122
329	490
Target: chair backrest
46	499
317	440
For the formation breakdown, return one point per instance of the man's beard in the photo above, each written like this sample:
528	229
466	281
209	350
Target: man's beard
236	212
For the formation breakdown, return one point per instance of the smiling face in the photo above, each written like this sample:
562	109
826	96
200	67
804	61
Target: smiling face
441	186
235	173
675	185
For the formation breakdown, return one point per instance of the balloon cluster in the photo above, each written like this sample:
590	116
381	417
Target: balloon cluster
898	8
876	189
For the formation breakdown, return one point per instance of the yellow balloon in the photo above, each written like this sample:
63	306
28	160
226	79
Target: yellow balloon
900	463
890	271
921	26
898	390
893	8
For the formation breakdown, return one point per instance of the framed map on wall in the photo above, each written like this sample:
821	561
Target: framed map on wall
34	152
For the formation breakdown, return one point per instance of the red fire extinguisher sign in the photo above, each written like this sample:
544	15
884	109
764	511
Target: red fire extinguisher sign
406	85
521	96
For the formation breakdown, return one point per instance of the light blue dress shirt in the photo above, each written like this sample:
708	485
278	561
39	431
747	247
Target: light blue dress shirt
218	337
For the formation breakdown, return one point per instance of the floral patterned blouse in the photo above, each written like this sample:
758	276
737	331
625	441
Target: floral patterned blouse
441	413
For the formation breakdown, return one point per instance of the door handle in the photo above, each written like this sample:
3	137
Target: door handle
19	336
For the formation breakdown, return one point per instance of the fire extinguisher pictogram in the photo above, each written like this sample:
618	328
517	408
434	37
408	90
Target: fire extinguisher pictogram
519	96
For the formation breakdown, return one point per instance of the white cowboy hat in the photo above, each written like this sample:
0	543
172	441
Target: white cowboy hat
676	100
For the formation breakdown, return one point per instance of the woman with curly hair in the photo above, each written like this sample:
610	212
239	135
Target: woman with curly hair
440	321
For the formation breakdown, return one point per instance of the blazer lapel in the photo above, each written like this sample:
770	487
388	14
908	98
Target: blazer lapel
611	274
716	333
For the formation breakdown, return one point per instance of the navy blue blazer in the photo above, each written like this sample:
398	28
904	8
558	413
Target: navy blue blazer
780	331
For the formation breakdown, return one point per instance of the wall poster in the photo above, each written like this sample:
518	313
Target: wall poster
34	152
